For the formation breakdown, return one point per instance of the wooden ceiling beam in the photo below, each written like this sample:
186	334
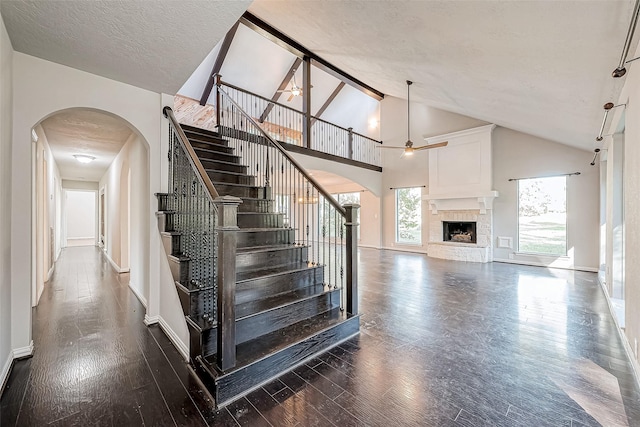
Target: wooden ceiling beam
217	65
283	85
329	100
282	40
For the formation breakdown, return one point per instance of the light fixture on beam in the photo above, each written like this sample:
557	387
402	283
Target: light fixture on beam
620	71
84	158
607	107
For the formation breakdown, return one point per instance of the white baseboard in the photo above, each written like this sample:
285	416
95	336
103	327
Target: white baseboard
369	246
115	266
16	353
177	342
6	370
541	264
417	250
151	320
19	353
138	295
635	366
50	273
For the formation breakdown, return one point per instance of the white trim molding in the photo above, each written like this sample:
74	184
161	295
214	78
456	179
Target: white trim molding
6	370
22	352
177	342
138	295
16	353
115	266
635	366
151	320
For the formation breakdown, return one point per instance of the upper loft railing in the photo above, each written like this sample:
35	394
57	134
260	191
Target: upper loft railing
286	124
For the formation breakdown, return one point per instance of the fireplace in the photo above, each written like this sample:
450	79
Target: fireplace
459	231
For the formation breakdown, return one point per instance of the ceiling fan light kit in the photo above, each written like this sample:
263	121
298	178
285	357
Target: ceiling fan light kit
408	148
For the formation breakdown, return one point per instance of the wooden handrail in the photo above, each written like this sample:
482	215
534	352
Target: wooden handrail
191	154
286	154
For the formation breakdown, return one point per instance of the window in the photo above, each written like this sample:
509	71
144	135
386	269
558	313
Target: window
344	198
542	215
409	215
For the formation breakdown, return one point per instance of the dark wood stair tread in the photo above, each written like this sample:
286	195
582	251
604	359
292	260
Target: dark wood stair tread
270	303
265	345
272	271
270	248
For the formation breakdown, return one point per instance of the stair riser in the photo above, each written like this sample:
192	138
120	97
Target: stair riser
222	148
202	343
204	137
215	153
247	239
256	260
218	176
221	166
263	220
237	383
181	271
264	287
239	191
165	221
193	303
171	243
272	320
256	205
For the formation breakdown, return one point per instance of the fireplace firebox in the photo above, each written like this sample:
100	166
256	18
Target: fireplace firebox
460	232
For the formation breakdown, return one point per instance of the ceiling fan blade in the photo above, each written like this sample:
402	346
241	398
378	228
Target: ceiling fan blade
426	147
290	97
388	146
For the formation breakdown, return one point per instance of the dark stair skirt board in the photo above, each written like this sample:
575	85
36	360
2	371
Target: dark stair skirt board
287	352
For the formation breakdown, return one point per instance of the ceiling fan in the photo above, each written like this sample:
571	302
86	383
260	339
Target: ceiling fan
294	91
408	146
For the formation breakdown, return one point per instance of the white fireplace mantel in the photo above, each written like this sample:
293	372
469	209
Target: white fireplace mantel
458	202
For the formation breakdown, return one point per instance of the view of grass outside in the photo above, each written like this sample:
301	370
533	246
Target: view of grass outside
542	215
409	215
344	198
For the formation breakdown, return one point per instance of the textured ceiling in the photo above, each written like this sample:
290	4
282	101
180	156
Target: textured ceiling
540	67
154	45
81	131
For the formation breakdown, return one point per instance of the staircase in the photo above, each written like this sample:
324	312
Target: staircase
285	312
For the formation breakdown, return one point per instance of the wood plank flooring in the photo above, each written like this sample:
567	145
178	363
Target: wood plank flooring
442	343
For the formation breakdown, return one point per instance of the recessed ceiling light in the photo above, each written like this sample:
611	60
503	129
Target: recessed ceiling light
83	158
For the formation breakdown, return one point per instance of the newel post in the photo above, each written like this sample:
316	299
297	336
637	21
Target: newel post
351	226
217	80
226	229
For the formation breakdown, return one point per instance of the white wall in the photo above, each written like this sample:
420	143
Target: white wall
410	171
47	201
80	214
6	118
630	96
519	155
126	251
42	88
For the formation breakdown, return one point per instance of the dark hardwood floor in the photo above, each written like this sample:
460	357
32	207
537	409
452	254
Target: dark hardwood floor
442	343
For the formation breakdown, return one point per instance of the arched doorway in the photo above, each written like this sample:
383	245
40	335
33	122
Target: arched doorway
90	150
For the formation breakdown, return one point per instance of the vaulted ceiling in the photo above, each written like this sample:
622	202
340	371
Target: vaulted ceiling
540	67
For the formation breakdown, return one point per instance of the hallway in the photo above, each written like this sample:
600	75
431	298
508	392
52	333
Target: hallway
441	343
